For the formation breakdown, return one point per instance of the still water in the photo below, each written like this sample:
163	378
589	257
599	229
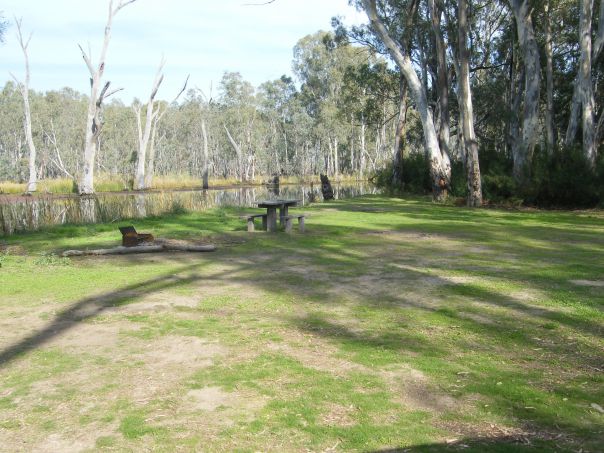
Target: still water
33	213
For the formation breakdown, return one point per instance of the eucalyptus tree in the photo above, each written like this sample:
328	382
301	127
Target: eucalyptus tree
524	144
3	27
24	89
144	135
276	104
240	121
320	64
466	108
12	138
440	165
583	104
98	93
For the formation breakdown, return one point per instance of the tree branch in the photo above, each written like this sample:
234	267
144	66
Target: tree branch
87	61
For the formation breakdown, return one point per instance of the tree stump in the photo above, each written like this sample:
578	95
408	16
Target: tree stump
326	188
273	185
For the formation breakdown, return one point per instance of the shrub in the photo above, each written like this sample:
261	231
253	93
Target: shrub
564	179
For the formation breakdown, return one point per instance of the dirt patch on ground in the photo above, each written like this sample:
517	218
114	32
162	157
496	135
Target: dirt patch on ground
318	355
188	352
57	443
590	283
339	416
415	391
102	338
210	399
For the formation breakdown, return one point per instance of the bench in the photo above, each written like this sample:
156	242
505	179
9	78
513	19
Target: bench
289	222
250	221
131	238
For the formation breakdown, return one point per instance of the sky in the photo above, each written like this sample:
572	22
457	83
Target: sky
203	38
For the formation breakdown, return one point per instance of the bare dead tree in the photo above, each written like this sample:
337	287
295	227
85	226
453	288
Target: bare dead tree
98	93
161	111
145	135
237	149
205	154
58	162
32	184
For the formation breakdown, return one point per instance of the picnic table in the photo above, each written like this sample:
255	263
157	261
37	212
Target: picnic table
271	211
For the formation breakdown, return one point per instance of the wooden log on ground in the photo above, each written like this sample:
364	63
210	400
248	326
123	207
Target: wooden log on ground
141	249
116	250
190	248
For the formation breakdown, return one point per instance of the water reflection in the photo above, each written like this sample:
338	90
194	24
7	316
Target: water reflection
29	214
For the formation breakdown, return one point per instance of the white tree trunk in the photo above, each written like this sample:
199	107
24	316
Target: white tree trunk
466	110
363	150
32	184
399	136
599	41
586	94
237	149
157	116
440	168
442	78
205	154
150	171
97	95
145	135
523	149
336	160
549	109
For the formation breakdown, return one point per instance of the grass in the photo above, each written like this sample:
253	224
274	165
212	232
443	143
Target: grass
391	324
112	183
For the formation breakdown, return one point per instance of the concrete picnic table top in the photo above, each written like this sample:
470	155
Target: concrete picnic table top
276	203
271	211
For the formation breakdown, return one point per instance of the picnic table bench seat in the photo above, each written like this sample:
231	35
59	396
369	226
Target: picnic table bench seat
250	221
289	222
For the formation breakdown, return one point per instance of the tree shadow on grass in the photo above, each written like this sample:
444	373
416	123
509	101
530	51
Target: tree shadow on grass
92	306
499	444
338	255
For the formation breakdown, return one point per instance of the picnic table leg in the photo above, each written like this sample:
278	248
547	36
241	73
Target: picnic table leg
264	222
282	213
271	219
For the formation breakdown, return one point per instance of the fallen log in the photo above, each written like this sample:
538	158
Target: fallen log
121	250
189	248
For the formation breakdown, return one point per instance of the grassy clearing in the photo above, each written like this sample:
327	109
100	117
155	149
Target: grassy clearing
391	324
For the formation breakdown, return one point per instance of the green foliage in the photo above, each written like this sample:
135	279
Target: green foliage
416	177
178	208
565	179
498	187
51	259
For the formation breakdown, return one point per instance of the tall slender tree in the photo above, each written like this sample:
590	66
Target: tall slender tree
524	145
440	166
98	93
466	109
32	184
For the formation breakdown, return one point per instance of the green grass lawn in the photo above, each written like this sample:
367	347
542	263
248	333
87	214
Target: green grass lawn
390	325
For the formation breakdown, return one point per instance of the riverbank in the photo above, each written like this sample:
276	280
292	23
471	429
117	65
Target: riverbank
389	325
32	213
111	185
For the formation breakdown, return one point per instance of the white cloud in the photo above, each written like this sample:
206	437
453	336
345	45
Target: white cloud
200	37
